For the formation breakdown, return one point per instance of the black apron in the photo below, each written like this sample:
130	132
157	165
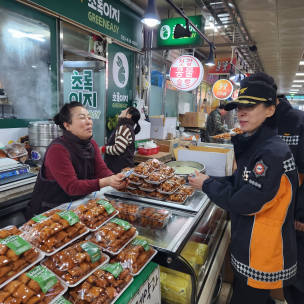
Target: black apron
48	194
118	162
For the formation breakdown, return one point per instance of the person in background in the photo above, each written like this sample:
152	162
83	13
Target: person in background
119	152
72	166
261	198
214	123
291	130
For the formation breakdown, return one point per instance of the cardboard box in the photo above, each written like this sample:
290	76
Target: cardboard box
173	143
192	119
145	130
218	162
160	125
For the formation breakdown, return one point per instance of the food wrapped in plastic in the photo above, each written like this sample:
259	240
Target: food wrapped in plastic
138	192
135	255
8	231
15	150
178	178
124	190
95	212
156	218
126	170
135	179
156	177
27	291
127	212
166	170
114	235
147	186
55	231
186	190
76	261
102	286
169	185
156	195
176	198
15	255
196	250
155	163
143	169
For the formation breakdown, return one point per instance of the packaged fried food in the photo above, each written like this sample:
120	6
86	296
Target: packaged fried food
16	254
75	262
157	195
143	170
155	218
95	212
15	150
138	192
125	170
103	286
176	198
223	136
127	212
156	178
148	187
135	255
8	231
114	235
124	190
169	186
179	179
186	190
36	286
166	170
54	232
155	163
133	179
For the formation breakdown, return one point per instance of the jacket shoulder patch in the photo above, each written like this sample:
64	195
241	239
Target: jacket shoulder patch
255	184
289	165
260	169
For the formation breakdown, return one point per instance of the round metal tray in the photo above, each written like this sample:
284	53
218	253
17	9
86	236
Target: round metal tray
200	167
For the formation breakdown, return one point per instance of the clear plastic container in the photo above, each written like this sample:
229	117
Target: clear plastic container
127	212
155	218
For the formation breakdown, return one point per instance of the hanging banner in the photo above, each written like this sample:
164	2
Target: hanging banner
165	32
235	94
109	17
222	89
222	66
120	80
186	73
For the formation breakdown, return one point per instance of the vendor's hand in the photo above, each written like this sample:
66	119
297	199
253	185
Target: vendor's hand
299	226
198	181
115	181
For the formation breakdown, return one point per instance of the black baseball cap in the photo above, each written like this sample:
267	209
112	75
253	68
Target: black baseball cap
253	93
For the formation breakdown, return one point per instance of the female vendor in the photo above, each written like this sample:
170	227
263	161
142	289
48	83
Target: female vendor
72	167
261	198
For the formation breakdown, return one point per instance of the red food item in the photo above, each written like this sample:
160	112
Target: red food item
208	228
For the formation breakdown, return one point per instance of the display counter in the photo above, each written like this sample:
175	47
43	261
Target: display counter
196	235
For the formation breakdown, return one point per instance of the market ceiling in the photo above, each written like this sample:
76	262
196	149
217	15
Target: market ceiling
275	26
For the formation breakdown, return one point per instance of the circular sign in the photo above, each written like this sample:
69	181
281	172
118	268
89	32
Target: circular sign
235	94
222	89
120	70
186	73
165	32
35	155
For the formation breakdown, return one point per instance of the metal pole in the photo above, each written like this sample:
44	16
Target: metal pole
60	66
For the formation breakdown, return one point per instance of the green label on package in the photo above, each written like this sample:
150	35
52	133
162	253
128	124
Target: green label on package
16	243
143	243
62	300
43	277
107	205
92	250
116	269
39	218
122	223
70	216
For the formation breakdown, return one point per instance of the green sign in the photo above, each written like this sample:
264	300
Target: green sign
43	277
109	208
70	216
122	223
110	17
143	243
16	243
39	218
120	80
92	250
166	30
116	269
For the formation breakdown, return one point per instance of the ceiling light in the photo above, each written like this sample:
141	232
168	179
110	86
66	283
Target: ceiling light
151	16
33	66
210	60
297	85
293	90
301	62
223	15
298	80
18	34
299	74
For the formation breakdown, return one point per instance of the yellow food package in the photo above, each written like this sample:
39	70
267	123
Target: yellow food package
174	289
175	273
199	251
192	261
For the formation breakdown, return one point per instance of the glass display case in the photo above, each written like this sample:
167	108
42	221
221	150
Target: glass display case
188	243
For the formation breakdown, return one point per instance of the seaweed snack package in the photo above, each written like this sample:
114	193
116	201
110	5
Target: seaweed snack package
95	212
135	256
74	263
37	286
114	235
15	255
103	286
53	233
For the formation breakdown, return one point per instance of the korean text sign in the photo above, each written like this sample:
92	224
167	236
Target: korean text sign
222	66
186	73
222	89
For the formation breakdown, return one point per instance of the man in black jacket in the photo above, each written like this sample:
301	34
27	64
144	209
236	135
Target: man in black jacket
291	130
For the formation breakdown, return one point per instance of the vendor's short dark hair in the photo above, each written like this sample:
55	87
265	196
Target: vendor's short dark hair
222	106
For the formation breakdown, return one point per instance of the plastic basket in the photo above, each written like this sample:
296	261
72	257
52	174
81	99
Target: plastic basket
143	151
